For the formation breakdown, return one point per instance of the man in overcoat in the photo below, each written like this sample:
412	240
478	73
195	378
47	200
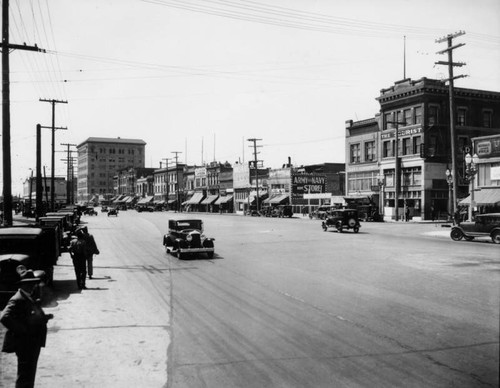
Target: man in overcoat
26	325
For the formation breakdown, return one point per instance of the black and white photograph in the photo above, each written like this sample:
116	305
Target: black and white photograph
250	194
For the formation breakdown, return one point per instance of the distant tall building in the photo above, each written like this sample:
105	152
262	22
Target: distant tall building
100	159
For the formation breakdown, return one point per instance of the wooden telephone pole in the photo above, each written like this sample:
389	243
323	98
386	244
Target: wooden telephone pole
256	168
53	164
7	166
449	50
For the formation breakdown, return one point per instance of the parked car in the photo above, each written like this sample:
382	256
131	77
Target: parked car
484	225
186	237
104	209
341	219
113	212
322	212
90	211
35	248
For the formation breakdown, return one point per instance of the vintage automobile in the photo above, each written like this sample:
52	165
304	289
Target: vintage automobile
90	211
485	225
185	236
104	209
34	247
113	212
341	219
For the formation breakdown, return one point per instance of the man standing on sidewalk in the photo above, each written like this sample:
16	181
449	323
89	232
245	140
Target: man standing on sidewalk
91	250
26	325
78	252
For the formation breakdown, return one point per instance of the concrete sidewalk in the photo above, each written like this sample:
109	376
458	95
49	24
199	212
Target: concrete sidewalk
94	340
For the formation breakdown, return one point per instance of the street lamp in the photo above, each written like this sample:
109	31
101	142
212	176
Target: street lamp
471	170
381	183
449	180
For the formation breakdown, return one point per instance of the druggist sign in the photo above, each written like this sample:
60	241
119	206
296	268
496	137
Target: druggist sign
307	184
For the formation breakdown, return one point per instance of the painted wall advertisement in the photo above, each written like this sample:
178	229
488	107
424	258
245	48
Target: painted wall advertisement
307	184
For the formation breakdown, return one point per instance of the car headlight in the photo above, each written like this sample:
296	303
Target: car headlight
189	238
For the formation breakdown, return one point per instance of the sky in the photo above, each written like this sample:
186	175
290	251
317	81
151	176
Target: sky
201	77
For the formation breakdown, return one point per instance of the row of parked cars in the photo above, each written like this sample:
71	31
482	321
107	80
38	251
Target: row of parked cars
36	246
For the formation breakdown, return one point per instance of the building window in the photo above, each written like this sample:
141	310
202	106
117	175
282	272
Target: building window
399	118
370	151
387	121
487	116
408	117
433	114
387	150
418	115
355	153
461	116
417	144
407	146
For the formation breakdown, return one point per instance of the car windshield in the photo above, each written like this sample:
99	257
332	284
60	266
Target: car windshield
189	224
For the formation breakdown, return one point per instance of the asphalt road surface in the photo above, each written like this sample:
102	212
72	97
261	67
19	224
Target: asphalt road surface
284	304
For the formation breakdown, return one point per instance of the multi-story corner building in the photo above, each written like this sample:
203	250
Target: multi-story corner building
419	112
484	175
169	187
248	182
100	159
60	190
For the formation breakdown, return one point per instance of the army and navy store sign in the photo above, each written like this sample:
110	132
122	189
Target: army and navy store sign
307	184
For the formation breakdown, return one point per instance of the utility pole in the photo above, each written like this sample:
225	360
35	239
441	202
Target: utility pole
256	167
177	178
397	165
39	187
168	181
6	157
68	171
52	180
449	38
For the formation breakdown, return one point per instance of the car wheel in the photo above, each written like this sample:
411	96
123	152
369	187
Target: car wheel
495	237
456	234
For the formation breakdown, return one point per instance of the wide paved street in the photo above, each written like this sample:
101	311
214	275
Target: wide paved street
282	304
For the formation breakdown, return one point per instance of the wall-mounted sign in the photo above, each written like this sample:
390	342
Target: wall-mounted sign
487	148
402	132
307	184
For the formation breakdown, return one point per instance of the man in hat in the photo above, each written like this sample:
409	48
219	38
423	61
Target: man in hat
91	250
26	325
78	252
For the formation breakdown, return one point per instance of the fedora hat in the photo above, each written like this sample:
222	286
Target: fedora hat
26	275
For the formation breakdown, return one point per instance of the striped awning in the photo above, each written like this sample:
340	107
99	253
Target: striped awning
209	200
222	200
484	197
194	200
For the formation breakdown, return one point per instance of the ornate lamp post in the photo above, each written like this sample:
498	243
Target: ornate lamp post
470	171
381	183
449	180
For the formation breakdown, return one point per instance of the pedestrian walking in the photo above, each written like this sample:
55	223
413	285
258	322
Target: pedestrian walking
26	325
78	252
91	251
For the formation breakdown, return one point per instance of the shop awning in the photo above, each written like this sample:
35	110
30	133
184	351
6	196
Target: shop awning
194	200
484	197
225	199
277	199
129	199
145	200
171	201
209	200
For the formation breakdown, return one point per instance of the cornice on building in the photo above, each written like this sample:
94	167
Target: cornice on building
408	88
